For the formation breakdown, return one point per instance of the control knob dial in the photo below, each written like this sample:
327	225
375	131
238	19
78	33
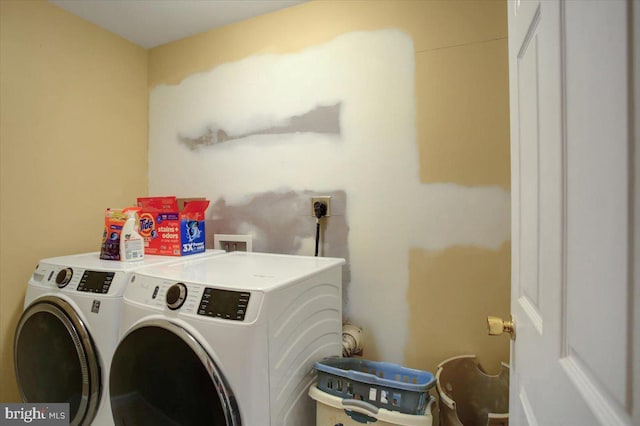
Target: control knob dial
63	277
176	295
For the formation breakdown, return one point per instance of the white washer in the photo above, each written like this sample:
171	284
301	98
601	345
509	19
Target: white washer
68	331
228	340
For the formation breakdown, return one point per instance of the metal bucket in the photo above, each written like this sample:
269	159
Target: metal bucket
471	397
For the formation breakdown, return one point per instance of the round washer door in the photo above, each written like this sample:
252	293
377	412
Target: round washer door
56	360
161	375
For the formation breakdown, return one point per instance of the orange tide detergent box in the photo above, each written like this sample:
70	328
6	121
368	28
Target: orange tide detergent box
171	226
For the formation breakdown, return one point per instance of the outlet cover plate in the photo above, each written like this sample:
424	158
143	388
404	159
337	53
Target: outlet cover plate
227	241
323	199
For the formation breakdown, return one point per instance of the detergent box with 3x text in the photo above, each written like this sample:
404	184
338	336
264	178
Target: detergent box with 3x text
172	226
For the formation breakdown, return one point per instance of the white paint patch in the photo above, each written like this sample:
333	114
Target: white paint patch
374	159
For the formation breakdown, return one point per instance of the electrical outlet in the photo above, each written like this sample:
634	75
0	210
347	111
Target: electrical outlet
326	199
229	243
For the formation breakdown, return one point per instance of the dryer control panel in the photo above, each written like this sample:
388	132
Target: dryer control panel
225	304
198	301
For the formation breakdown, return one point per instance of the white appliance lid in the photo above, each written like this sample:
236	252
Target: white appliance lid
92	261
244	270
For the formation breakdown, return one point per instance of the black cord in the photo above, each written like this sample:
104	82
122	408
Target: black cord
320	210
317	235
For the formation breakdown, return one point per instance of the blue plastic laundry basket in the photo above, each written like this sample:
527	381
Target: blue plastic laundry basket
382	384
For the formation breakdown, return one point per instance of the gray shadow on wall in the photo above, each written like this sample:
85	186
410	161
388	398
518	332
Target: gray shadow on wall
281	222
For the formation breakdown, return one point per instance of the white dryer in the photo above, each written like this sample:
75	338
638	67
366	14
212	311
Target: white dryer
226	341
68	331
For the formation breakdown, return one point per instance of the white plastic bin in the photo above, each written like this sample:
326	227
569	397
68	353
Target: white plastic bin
335	411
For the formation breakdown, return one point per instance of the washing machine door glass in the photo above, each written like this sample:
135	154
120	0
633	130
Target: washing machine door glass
56	360
161	375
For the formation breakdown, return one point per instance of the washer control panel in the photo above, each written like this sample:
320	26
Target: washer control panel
96	282
72	279
226	304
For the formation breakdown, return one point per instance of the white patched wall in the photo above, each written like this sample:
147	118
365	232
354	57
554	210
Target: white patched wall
257	137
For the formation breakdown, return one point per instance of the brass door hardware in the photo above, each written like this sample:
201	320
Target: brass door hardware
498	326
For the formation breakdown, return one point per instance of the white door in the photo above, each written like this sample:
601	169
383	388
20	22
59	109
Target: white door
575	293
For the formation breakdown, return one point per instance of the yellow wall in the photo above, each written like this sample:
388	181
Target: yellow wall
462	121
73	123
73	140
